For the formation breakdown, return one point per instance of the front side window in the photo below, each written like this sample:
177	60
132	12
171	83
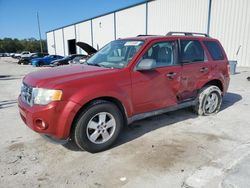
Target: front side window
163	53
191	51
116	54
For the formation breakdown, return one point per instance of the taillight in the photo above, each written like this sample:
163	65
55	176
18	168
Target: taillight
228	68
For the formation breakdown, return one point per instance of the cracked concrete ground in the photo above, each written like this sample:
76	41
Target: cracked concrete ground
177	149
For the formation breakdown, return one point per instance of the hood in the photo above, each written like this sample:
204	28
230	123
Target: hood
86	47
52	77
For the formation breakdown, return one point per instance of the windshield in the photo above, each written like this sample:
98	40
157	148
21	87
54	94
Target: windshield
116	54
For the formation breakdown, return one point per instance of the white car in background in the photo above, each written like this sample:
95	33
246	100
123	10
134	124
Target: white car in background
23	54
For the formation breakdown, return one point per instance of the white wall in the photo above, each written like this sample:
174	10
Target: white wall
230	23
177	15
59	42
50	43
103	30
69	33
83	33
131	22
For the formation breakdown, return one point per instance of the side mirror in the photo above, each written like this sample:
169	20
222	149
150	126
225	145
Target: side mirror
146	64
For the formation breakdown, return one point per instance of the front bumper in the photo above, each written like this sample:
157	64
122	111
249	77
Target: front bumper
56	116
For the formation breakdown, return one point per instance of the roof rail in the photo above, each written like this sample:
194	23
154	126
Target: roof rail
145	35
186	33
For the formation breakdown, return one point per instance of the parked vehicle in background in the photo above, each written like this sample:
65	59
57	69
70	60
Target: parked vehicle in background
4	54
89	50
17	55
127	80
66	60
11	54
37	62
79	60
27	59
26	55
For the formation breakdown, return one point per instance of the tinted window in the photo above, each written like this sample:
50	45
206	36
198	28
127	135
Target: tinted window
191	51
214	50
162	53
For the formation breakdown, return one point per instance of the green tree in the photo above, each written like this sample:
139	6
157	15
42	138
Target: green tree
10	45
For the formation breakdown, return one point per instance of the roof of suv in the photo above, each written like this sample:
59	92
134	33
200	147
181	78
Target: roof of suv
153	37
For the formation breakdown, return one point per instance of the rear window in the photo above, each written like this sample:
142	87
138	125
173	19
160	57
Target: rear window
214	50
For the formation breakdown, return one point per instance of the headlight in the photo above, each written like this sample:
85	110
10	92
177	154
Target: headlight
45	96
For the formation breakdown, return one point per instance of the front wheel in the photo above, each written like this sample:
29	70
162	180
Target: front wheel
98	126
39	64
208	101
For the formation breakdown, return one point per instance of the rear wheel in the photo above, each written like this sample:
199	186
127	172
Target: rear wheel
98	126
208	101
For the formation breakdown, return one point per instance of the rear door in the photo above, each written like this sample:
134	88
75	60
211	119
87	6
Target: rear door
195	68
157	88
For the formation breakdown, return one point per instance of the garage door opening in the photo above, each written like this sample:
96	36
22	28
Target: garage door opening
72	46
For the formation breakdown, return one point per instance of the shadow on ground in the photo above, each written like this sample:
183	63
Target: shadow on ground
139	128
10	77
7	103
229	100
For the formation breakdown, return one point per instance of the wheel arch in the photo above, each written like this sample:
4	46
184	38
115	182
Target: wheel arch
215	82
113	100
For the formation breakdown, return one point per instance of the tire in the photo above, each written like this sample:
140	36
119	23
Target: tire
40	64
209	101
98	126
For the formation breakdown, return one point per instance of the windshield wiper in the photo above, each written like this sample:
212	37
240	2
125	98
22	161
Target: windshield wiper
97	65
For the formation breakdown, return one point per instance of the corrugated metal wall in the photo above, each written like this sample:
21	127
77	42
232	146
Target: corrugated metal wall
131	22
177	15
229	22
69	33
83	33
59	42
51	43
103	30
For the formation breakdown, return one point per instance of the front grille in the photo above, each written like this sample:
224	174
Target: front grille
26	94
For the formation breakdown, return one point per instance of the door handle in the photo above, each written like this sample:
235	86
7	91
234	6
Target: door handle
171	75
204	69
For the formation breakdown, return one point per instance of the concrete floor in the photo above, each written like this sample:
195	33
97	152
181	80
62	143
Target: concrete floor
177	149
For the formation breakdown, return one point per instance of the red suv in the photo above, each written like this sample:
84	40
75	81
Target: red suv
127	80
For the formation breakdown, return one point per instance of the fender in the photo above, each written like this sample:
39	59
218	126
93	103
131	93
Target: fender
99	91
215	77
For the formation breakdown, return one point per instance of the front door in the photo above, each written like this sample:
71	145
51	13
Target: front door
157	88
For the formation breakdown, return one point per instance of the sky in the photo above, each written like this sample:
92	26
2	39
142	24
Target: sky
18	17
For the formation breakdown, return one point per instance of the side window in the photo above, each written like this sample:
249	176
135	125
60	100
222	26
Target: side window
163	53
214	50
191	51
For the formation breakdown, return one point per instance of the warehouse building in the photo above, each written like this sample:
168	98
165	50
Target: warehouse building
226	20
